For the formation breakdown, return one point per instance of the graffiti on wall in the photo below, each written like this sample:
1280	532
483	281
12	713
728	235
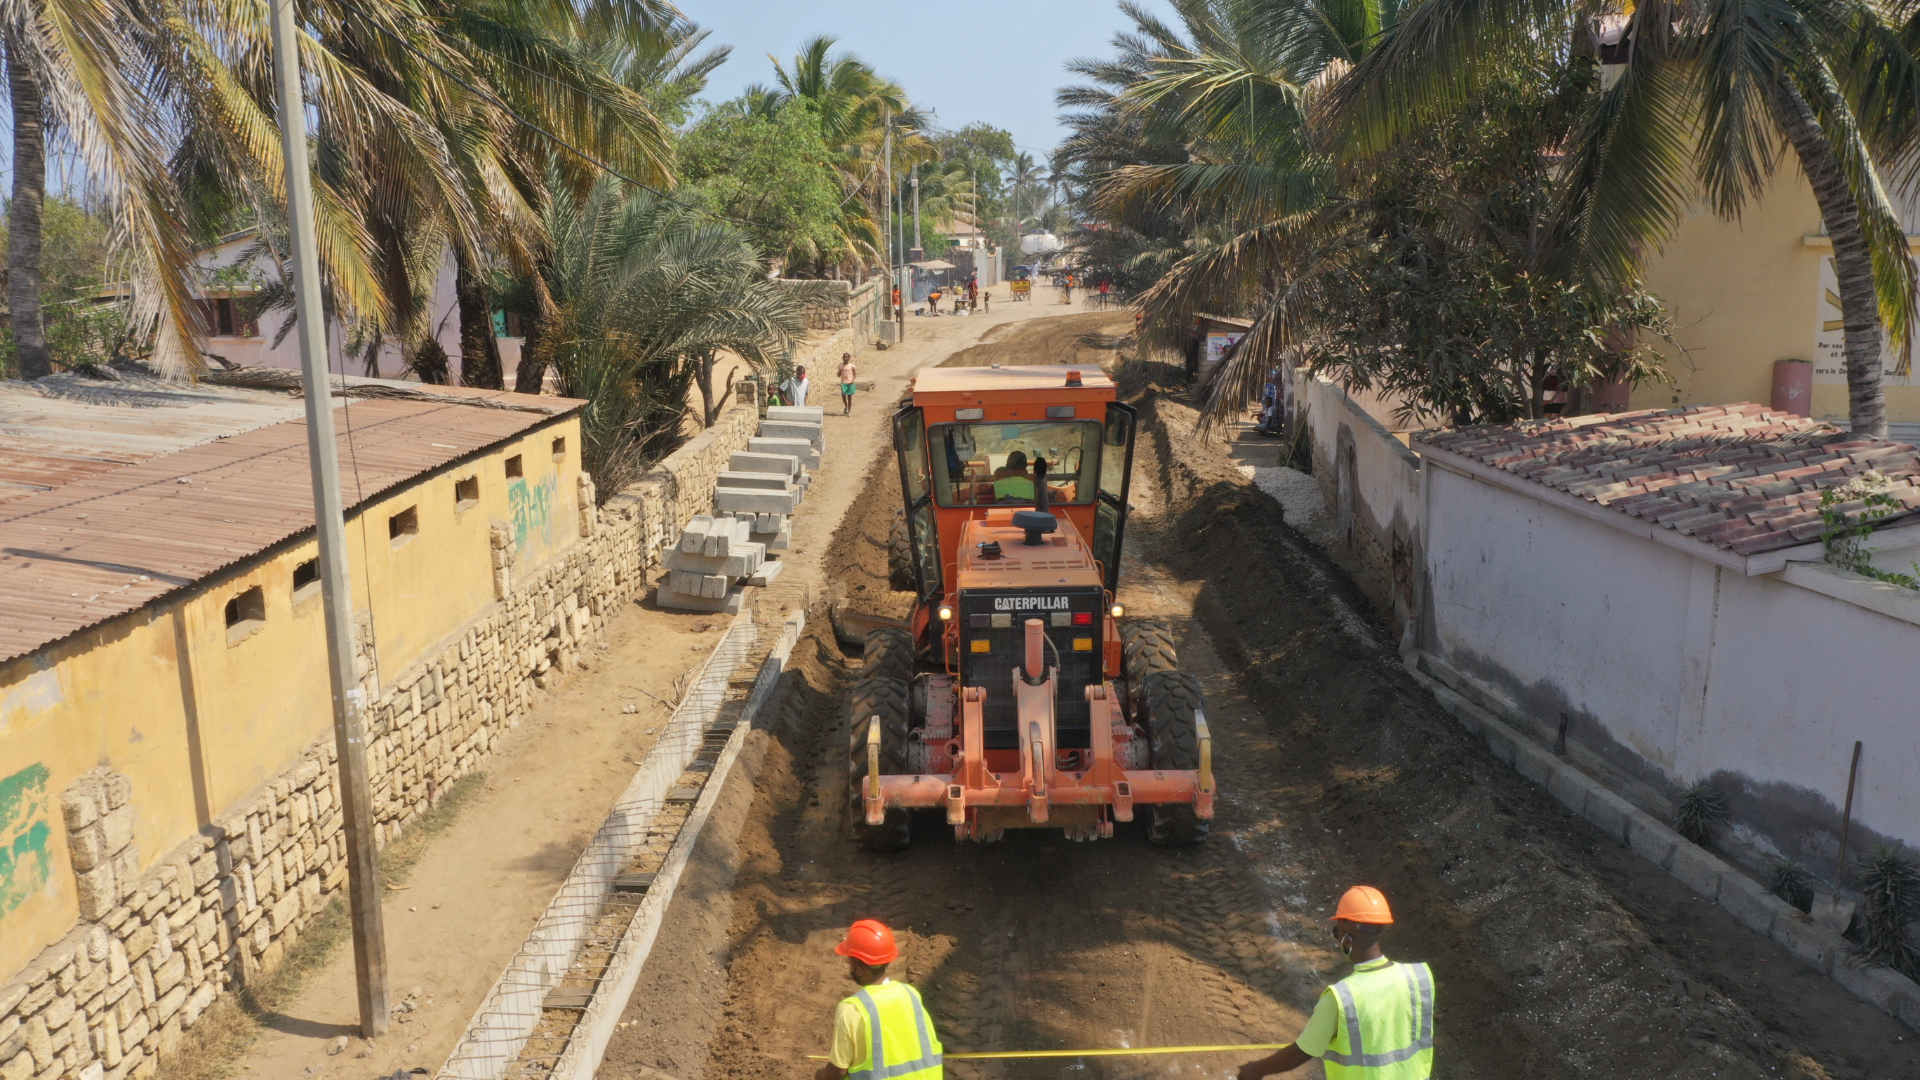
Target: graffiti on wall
532	507
25	829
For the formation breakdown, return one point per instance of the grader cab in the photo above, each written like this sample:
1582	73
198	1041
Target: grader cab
1016	697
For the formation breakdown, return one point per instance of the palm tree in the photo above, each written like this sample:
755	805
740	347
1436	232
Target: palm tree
1026	187
647	296
1700	97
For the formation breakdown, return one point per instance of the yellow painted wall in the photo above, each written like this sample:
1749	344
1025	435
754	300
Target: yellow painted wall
1742	295
196	720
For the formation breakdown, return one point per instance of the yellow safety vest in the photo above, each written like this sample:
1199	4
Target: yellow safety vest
1386	1028
901	1035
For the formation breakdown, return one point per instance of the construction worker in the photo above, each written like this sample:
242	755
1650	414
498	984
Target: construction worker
883	1030
1375	1024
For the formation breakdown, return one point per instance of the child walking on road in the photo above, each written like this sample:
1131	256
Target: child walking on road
848	373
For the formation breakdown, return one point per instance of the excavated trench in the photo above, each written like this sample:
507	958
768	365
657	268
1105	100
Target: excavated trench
1557	953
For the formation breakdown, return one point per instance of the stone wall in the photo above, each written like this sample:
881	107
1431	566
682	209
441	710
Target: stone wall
156	946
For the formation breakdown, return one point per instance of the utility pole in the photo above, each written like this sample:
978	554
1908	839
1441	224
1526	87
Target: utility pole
916	209
893	273
336	595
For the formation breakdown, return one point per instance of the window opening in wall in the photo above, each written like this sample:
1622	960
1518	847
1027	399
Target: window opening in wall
404	525
246	613
466	492
513	467
559	448
306	579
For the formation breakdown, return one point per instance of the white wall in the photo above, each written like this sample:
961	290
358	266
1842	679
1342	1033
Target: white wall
1373	488
1678	670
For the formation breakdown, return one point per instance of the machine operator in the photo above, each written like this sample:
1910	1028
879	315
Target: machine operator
1375	1024
883	1030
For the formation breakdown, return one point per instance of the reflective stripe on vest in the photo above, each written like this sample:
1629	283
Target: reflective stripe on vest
892	1028
1376	1037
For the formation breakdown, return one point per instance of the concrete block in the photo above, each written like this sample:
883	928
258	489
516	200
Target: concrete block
756	500
1608	812
774	541
1878	986
770	480
808	454
1814	944
1652	839
1571	786
1698	870
1749	901
773	463
769	523
1500	740
694	536
726	534
743	559
1533	762
806	414
713	586
766	573
791	429
675	601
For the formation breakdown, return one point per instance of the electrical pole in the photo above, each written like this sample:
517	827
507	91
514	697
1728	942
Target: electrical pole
916	212
893	274
336	596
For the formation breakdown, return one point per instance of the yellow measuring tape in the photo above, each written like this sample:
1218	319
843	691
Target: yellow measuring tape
1097	1053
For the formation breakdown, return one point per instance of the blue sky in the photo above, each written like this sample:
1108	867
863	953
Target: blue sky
996	61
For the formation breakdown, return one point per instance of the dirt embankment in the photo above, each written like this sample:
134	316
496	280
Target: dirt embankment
1557	953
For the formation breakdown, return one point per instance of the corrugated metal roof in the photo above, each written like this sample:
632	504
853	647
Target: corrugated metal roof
106	543
56	430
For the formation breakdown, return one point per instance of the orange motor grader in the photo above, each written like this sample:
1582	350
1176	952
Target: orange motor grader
1016	697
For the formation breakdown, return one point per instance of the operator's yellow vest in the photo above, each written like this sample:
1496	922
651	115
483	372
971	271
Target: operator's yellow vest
902	1046
1386	1025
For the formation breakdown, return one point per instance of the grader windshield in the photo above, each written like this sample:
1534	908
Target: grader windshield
992	463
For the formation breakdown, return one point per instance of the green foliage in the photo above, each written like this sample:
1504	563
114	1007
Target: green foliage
646	295
1890	885
769	170
74	249
1701	810
1849	513
1792	884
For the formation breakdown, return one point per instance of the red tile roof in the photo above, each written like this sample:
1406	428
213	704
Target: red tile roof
1741	477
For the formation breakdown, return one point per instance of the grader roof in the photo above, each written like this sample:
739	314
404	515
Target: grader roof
939	380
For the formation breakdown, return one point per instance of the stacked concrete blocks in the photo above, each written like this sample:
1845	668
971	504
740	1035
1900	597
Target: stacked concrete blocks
713	555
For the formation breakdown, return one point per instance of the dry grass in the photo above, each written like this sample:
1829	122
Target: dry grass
212	1050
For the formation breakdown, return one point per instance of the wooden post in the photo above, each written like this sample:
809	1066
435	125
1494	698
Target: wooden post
1846	816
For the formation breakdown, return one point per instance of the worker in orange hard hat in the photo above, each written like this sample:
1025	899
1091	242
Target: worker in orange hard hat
883	1030
1375	1024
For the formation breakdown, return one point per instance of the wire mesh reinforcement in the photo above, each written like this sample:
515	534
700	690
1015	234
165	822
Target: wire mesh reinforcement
580	918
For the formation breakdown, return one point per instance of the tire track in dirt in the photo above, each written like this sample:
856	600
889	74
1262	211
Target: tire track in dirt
1334	767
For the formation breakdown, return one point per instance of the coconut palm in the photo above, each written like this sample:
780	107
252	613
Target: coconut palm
647	296
1700	96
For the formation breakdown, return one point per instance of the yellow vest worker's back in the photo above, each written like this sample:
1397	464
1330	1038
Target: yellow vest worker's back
901	1034
1386	1025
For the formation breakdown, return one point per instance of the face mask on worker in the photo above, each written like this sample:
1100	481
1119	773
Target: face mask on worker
1345	941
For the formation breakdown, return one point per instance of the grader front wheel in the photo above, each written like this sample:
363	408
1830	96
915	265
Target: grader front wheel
1173	703
885	698
900	554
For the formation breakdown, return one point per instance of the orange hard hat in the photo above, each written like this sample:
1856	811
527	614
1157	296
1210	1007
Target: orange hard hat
1364	904
870	942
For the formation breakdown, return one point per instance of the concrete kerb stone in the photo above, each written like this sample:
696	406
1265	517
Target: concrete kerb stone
1742	897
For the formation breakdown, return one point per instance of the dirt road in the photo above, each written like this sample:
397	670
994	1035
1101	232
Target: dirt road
1557	953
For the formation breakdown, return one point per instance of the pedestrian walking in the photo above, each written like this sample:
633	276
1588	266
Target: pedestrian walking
986	301
1375	1024
883	1030
1066	288
848	373
899	311
795	388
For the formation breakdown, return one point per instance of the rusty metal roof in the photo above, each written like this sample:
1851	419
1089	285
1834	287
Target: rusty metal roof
108	541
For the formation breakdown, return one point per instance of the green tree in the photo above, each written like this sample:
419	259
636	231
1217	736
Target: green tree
771	171
1696	99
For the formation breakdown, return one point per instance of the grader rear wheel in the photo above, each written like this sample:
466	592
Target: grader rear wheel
887	699
1173	703
900	554
888	654
1146	649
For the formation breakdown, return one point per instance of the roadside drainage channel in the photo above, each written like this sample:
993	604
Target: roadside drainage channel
1699	869
552	1012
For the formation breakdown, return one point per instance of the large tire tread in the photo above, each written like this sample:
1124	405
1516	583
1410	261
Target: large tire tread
887	654
1173	701
1146	648
886	698
900	555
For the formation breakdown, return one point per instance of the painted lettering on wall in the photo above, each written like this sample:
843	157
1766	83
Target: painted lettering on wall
25	828
532	507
